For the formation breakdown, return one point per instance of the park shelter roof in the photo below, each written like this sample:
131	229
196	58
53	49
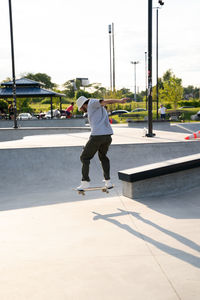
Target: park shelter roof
26	88
23	82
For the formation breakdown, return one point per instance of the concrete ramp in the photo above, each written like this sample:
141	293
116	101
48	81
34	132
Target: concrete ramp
51	173
56	244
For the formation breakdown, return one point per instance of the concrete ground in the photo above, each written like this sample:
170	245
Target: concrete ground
122	135
56	244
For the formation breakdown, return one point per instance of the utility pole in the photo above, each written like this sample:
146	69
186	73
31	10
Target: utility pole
113	44
13	65
157	63
157	89
110	52
146	78
135	63
150	119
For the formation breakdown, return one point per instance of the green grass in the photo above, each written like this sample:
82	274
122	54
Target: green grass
186	114
37	107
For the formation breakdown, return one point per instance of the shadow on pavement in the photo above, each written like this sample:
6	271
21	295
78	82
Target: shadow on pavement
180	254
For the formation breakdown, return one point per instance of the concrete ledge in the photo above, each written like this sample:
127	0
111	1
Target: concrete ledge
66	129
157	124
11	134
161	178
74	122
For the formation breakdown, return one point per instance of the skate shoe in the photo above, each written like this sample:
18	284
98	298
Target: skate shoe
108	184
84	185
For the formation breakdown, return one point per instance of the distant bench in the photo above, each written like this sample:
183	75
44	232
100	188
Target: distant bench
170	176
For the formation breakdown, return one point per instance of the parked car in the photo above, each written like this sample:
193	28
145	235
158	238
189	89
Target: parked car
196	117
138	109
118	112
186	107
24	116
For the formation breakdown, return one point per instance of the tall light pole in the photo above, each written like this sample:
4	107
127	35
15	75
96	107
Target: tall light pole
145	54
135	63
113	44
157	62
110	52
150	119
13	65
157	90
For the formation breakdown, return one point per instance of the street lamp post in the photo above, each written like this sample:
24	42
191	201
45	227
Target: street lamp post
110	52
135	63
113	45
157	61
157	90
146	77
150	119
13	65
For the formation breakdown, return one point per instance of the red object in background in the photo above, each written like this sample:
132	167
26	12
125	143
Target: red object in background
194	135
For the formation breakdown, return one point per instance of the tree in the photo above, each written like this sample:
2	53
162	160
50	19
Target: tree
71	86
160	85
23	105
3	105
172	91
82	93
69	89
191	92
97	91
41	77
7	79
167	75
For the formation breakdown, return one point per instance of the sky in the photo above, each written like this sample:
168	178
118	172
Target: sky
67	39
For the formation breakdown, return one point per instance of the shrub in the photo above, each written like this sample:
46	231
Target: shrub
194	103
35	100
82	93
46	101
168	105
23	105
3	105
66	101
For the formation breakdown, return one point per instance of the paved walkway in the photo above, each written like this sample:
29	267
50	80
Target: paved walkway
122	135
56	244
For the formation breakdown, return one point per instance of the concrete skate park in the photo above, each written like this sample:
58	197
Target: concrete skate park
57	244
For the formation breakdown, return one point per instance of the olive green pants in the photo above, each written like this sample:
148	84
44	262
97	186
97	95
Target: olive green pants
96	143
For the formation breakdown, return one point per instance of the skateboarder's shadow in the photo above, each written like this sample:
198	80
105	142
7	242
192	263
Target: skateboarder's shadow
180	254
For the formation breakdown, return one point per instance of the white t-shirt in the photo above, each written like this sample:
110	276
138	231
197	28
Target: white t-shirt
98	118
162	110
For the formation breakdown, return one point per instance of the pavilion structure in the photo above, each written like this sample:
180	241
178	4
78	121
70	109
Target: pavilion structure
26	88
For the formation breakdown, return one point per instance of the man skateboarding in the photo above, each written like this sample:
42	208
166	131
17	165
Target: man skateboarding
100	138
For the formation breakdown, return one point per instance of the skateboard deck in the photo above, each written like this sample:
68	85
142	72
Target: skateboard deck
101	188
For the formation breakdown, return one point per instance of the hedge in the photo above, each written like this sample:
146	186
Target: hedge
194	103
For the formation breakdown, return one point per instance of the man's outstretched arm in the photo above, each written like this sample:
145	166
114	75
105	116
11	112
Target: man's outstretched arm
112	101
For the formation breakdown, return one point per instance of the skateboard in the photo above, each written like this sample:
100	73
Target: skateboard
97	188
